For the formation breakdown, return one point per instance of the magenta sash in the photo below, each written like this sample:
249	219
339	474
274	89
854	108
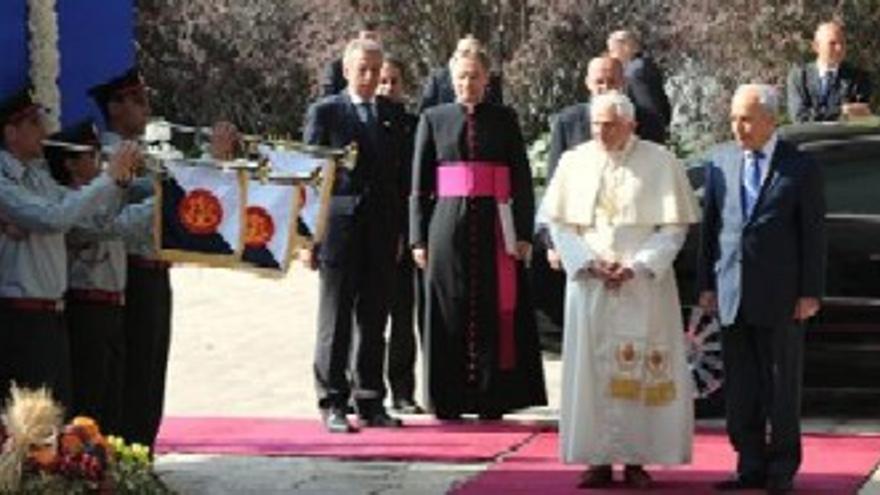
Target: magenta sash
489	179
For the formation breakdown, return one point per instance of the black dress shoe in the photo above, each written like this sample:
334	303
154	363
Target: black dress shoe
491	416
447	416
779	487
406	406
336	422
740	483
381	419
596	477
637	477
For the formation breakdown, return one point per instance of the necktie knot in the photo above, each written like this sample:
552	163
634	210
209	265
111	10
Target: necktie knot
754	172
365	112
827	81
755	156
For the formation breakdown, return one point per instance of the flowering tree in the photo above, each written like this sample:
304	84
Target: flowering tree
258	62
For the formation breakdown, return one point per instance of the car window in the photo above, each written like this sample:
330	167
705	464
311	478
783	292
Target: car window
852	175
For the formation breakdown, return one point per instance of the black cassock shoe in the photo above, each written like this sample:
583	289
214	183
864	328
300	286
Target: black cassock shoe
380	419
779	487
740	483
336	422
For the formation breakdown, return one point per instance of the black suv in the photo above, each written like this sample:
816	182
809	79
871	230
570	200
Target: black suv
842	352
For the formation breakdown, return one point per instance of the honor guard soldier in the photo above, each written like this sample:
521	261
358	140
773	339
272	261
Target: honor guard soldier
96	282
125	105
34	344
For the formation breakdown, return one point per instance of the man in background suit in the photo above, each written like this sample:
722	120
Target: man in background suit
762	270
407	304
829	88
357	254
333	80
438	87
644	85
571	126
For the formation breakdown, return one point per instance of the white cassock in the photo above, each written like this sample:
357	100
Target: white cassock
626	392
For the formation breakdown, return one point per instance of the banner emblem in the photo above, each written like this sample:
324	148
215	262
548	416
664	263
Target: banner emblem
259	227
200	212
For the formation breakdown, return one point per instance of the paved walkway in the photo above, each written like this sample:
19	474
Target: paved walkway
242	346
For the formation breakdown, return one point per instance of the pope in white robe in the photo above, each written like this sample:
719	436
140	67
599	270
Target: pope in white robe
618	209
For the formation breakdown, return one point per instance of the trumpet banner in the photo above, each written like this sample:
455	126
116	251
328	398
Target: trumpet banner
270	225
201	214
315	192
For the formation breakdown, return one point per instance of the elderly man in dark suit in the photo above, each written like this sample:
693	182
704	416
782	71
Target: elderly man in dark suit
438	87
644	85
829	88
761	269
357	254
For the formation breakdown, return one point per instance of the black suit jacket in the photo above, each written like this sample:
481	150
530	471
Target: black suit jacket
760	265
410	124
805	102
333	81
568	128
438	90
371	192
644	86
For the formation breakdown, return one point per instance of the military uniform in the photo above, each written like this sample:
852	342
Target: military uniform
147	324
34	346
95	297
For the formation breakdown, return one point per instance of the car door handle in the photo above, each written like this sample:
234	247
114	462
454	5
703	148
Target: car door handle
874	257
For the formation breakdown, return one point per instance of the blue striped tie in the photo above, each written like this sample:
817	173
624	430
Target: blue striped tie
752	181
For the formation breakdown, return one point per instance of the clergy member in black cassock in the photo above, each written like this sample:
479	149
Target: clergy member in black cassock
357	254
481	344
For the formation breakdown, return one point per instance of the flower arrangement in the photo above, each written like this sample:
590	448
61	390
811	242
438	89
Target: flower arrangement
39	455
45	59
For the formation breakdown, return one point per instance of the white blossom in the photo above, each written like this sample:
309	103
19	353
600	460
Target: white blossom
45	59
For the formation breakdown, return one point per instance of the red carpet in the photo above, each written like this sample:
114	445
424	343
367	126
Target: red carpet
832	465
422	441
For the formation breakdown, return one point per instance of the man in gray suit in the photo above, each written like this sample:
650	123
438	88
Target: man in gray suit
762	266
829	88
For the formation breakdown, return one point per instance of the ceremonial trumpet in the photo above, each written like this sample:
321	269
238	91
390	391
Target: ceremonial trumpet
153	159
160	131
157	150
